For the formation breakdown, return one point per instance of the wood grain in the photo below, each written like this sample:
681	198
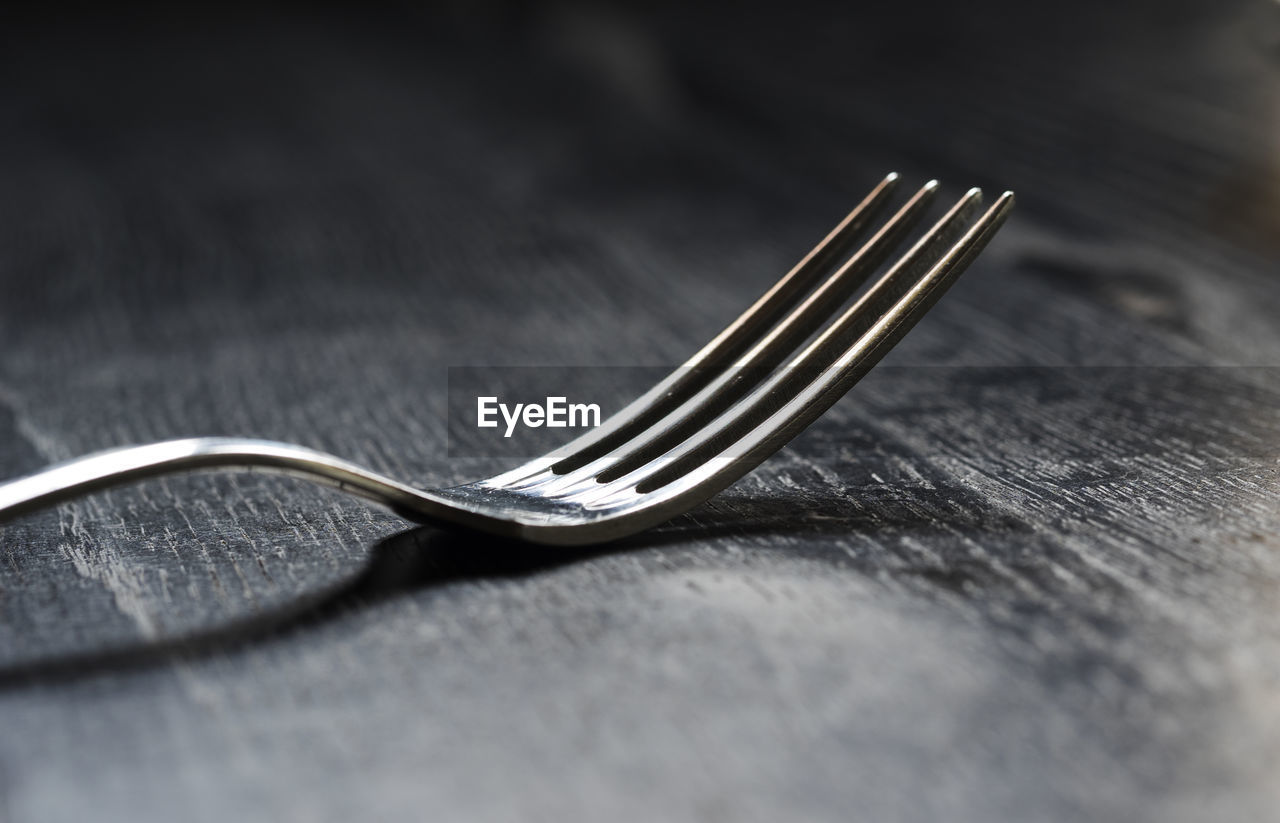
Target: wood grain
1028	570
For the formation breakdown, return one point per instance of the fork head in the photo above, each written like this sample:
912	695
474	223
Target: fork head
768	375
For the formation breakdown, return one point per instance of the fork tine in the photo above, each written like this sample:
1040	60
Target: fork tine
755	365
731	342
799	392
689	378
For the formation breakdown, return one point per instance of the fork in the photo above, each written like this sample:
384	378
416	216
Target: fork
745	394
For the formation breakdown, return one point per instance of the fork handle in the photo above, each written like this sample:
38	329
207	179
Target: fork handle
65	481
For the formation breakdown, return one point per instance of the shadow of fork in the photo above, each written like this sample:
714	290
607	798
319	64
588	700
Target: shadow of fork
419	558
427	557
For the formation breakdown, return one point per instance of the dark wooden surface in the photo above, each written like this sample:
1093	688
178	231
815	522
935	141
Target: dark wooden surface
1029	570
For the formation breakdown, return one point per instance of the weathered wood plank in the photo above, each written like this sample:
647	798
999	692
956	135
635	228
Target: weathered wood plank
1026	571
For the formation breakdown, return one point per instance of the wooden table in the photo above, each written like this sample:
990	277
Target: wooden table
1028	570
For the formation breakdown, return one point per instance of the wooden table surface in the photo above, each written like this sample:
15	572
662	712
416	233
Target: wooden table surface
1028	570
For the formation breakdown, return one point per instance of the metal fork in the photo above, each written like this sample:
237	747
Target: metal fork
768	375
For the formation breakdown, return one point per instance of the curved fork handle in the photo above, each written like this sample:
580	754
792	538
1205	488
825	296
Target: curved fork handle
81	476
